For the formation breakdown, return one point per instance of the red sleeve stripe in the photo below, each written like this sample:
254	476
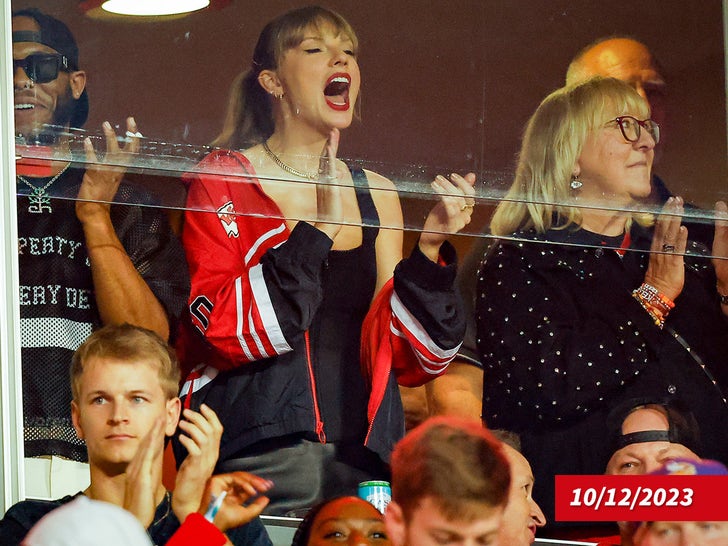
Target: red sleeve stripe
267	336
430	367
261	240
240	319
418	337
198	378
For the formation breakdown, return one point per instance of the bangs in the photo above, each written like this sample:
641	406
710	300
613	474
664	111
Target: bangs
318	20
602	99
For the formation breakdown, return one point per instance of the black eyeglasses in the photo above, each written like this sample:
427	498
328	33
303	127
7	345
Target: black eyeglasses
42	67
631	128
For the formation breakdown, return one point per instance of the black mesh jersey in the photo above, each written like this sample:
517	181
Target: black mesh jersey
57	305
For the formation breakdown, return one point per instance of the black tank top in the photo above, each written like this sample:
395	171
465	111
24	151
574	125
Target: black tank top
349	281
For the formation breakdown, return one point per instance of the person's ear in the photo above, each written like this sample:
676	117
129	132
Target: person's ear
395	523
269	81
77	81
173	409
76	419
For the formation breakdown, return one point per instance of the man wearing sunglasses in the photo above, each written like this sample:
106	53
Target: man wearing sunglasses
83	262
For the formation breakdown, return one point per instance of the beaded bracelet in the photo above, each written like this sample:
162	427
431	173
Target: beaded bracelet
657	304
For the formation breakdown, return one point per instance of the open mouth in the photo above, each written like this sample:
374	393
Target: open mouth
337	91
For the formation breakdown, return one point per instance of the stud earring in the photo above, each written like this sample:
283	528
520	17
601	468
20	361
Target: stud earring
575	183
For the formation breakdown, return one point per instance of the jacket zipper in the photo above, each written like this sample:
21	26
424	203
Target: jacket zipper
319	426
371	423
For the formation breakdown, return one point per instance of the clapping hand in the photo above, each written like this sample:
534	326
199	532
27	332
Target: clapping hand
144	474
451	214
201	434
666	270
329	206
720	247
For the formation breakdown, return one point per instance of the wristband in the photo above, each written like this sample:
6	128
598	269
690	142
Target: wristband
657	304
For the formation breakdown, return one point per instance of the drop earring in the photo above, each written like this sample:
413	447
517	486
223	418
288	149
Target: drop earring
575	183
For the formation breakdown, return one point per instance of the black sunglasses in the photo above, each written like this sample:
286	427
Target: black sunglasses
42	67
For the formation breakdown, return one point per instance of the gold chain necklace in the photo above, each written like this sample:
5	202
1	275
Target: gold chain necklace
39	200
287	168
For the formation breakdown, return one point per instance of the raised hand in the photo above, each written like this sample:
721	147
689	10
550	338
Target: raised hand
330	210
144	474
244	500
451	214
666	270
720	247
101	180
201	433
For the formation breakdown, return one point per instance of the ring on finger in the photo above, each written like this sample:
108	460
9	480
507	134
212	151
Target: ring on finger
467	206
668	248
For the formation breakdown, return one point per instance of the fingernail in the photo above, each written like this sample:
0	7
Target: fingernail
106	125
440	177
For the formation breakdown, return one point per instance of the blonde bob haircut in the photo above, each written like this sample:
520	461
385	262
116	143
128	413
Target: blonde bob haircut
541	196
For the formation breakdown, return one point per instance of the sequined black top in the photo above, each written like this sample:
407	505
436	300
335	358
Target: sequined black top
562	340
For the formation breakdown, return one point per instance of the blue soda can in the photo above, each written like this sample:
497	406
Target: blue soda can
378	493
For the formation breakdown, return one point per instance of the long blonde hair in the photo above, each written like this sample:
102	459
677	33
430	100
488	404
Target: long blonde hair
540	195
249	117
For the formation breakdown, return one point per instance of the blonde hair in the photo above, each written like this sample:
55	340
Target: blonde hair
540	196
130	344
249	117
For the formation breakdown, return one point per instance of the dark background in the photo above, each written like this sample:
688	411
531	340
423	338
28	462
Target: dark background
447	85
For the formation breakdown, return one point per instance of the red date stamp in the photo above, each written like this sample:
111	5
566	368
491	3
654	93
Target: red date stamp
641	498
629	498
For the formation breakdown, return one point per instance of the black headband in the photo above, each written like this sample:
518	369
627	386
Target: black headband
642	437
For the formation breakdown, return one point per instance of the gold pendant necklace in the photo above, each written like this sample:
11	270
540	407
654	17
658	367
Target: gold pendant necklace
287	168
39	200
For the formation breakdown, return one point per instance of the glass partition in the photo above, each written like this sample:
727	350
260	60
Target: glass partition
447	87
444	89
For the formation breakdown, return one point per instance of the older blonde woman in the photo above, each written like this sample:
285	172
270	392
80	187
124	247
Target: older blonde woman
582	304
